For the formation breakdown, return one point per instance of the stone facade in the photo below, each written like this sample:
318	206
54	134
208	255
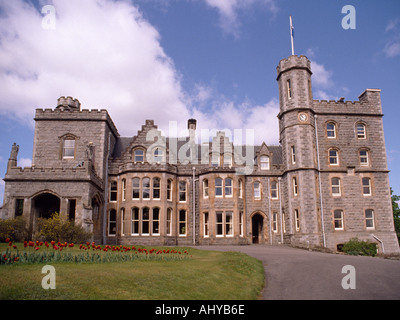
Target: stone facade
325	183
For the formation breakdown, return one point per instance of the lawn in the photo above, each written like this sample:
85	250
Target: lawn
206	275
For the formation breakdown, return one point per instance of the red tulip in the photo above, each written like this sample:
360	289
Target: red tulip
25	244
7	240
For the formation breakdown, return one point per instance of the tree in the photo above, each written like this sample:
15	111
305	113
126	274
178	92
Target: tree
396	213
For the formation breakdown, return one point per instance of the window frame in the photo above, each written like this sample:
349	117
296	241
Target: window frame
72	148
135	156
340	220
220	187
206	225
156	186
182	191
168	226
257	190
146	189
135	221
369	186
228	189
264	162
145	221
335	157
338	186
136	188
182	223
155	223
361	134
112	223
331	130
205	189
113	191
297	220
372	218
274	190
361	157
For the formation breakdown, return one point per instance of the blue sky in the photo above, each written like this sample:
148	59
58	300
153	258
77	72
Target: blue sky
214	60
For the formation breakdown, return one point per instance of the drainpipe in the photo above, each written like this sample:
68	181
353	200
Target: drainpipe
320	183
280	207
381	242
194	204
106	191
269	212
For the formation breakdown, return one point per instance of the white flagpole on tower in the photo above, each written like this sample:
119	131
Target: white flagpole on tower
292	34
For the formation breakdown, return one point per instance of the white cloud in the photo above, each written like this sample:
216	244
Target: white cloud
228	12
321	77
392	46
102	52
105	54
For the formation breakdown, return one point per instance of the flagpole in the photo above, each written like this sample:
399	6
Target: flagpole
291	34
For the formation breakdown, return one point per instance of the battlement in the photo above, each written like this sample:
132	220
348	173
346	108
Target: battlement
299	62
68	103
369	103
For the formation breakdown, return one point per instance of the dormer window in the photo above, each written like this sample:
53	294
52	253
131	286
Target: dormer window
264	163
138	155
158	155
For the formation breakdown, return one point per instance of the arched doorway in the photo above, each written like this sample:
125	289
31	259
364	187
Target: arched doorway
45	204
257	222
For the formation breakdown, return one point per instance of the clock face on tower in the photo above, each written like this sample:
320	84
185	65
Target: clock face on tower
303	117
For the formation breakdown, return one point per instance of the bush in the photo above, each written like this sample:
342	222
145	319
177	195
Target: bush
13	229
59	228
356	247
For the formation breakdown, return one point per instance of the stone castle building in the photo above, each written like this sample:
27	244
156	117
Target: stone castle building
325	183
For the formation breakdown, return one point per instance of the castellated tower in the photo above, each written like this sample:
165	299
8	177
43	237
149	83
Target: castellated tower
297	137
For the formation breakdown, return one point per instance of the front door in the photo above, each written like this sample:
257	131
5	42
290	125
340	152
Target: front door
257	228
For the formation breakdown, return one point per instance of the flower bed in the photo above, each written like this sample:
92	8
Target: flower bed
46	252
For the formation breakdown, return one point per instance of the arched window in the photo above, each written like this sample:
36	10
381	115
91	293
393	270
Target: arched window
145	221
228	187
156	222
135	221
169	190
361	131
113	191
112	223
169	222
331	130
156	188
218	187
146	188
135	188
138	155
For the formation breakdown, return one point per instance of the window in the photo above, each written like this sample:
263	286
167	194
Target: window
219	224
331	130
241	217
182	223
283	223
145	221
336	188
224	224
112	223
295	186
156	222
205	188
169	190
146	188
361	132
123	224
123	189
156	188
297	219
135	221
205	224
19	207
169	221
218	187
338	219
289	89
274	190
293	154
135	188
364	158
264	162
240	188
69	149
71	209
257	190
229	224
158	155
369	219
275	222
113	191
366	185
228	187
182	191
139	155
333	157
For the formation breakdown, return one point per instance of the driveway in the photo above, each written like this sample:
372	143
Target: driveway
292	273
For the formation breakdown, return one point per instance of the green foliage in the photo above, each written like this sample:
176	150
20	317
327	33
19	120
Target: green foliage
13	229
59	228
357	247
396	213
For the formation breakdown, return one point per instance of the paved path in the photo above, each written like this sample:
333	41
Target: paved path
300	274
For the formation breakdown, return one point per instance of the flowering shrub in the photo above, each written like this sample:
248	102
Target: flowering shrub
46	252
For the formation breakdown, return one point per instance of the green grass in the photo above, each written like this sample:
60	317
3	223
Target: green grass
208	275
